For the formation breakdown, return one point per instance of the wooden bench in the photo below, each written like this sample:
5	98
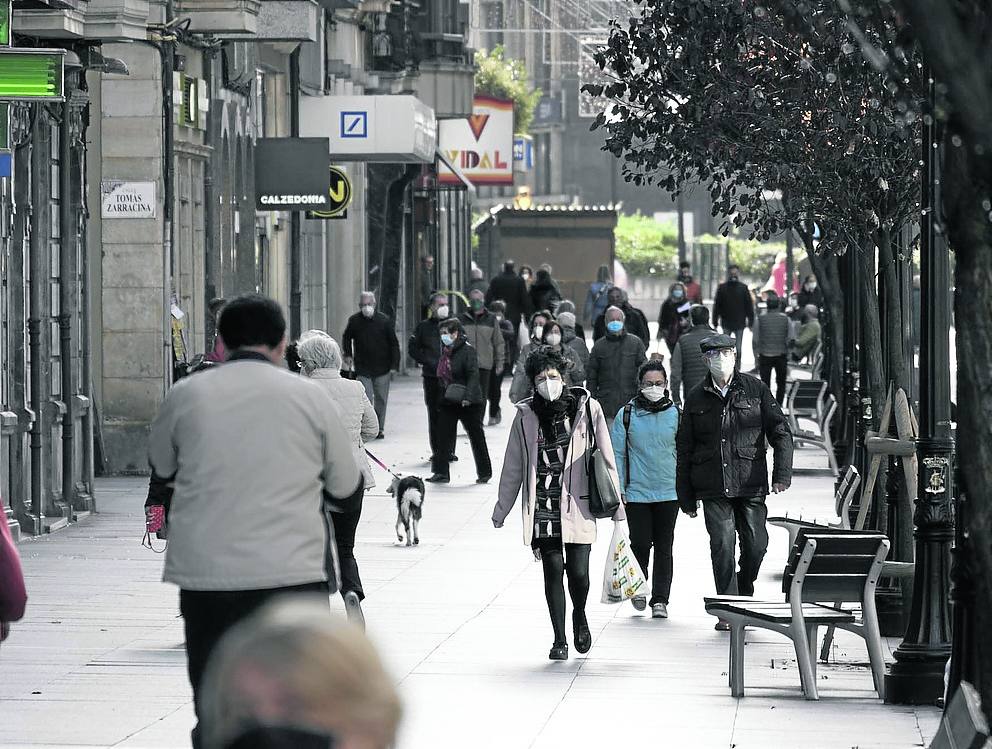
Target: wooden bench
833	567
847	490
963	725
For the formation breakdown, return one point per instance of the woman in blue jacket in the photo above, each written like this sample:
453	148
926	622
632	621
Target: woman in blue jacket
644	443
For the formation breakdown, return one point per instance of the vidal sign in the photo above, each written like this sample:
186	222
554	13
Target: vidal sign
481	146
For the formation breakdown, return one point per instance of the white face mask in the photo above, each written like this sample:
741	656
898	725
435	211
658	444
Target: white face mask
368	310
538	332
654	393
722	367
811	286
442	312
553	339
550	390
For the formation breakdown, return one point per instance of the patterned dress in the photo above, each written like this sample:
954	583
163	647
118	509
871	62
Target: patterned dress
553	440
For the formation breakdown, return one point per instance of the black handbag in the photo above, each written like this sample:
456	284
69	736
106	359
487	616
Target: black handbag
455	394
604	498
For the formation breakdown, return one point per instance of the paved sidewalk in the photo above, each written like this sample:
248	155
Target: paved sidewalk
462	623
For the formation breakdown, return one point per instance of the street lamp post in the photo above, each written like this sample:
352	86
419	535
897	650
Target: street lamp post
917	676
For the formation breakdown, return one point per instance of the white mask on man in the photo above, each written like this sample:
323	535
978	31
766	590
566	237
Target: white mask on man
368	310
442	312
722	367
550	390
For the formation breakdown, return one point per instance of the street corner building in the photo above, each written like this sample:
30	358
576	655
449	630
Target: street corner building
130	198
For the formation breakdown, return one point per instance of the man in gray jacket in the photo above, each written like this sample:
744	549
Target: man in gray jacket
253	450
688	366
770	337
483	332
613	364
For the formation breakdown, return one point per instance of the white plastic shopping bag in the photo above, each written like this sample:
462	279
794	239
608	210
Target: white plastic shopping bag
622	578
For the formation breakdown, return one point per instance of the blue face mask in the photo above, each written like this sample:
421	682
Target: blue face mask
614	326
447	339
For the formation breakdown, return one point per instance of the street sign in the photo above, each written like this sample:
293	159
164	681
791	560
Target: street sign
32	74
119	199
340	195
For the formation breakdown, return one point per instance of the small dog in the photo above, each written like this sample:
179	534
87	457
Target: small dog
409	492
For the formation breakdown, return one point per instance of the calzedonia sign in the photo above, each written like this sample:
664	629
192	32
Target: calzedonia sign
292	174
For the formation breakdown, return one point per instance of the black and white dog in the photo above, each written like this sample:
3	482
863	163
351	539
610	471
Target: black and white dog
409	493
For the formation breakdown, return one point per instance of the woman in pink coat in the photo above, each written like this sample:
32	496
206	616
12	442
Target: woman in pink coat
13	596
546	457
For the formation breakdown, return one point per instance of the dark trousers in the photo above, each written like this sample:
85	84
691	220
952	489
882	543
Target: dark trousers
433	394
471	418
738	335
780	365
345	526
725	520
495	393
377	390
652	524
207	615
573	559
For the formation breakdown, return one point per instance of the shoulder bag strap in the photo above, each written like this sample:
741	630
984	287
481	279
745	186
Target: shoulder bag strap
626	443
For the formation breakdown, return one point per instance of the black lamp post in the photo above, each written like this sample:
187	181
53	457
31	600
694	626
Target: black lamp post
917	676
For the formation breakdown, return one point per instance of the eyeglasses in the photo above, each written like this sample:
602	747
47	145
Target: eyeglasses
718	353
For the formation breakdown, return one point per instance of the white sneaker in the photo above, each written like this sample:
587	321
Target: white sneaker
640	602
659	611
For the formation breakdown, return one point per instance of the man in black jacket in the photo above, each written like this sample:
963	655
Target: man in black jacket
611	375
424	348
369	345
733	307
512	289
729	420
635	322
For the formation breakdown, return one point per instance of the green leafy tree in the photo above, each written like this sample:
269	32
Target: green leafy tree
506	78
646	247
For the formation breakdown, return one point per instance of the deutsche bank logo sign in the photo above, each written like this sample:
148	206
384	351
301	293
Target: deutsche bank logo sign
355	124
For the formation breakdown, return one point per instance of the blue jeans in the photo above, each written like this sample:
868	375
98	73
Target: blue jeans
725	520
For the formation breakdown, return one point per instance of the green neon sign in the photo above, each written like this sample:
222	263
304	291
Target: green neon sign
5	14
31	74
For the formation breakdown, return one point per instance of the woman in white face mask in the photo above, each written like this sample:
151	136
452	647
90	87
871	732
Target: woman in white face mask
644	441
546	456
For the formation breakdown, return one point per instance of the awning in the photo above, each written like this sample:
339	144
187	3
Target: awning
457	172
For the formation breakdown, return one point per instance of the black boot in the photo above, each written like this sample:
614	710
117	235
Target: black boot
559	652
583	637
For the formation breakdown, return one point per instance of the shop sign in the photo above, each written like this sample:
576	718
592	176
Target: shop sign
292	174
339	194
523	153
119	199
481	145
32	74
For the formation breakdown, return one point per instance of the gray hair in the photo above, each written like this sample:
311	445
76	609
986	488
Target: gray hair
365	294
317	350
614	309
292	663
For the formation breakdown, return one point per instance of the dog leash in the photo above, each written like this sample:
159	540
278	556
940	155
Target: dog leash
381	464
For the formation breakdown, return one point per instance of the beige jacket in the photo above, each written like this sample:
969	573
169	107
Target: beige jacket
357	412
578	526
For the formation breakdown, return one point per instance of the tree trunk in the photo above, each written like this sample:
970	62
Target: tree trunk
966	182
825	269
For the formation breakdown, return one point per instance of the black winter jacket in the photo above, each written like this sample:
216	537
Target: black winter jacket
512	289
372	342
611	376
721	444
424	346
635	324
465	371
733	307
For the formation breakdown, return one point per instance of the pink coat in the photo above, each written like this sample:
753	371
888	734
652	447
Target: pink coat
578	526
13	596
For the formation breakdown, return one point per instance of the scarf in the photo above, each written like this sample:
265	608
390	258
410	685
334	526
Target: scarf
653	407
444	366
548	411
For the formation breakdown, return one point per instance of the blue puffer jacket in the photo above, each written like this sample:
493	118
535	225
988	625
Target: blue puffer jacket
652	454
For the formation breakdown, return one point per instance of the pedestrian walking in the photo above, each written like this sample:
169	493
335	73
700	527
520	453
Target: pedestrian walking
253	450
519	387
688	365
477	281
596	299
613	365
693	291
510	355
511	289
483	331
425	283
572	339
574	374
527	274
811	293
673	317
644	443
461	401
294	676
770	339
809	333
544	292
728	422
13	593
547	456
635	322
424	347
321	360
567	305
733	307
372	350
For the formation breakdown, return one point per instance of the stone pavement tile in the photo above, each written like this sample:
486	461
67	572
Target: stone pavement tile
78	722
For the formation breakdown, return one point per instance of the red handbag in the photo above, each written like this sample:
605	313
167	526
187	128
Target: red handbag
13	595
